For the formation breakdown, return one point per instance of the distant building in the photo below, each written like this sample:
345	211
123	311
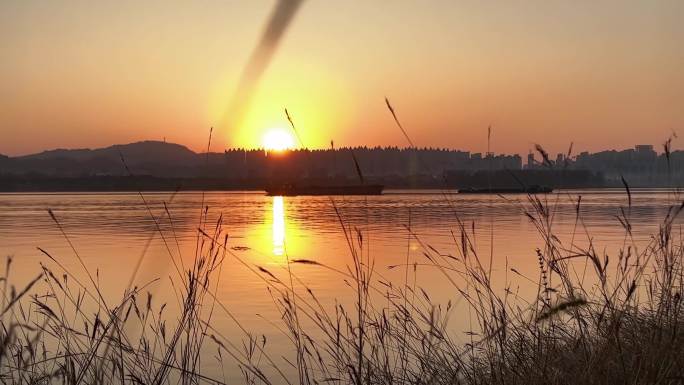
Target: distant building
644	148
560	159
645	152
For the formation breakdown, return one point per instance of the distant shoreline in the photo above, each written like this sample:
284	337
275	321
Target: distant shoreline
113	184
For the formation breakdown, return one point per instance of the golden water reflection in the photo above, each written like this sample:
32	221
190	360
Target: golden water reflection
278	226
279	234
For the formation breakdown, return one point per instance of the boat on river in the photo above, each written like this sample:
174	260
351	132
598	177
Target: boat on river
521	190
295	190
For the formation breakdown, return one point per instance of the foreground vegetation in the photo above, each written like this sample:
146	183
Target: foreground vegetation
595	318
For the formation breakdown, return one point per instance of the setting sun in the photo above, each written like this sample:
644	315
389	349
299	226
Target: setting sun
278	140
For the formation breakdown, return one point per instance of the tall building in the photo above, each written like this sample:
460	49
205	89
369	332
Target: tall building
644	148
645	152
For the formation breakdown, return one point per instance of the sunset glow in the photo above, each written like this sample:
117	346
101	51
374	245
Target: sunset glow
325	175
473	64
278	226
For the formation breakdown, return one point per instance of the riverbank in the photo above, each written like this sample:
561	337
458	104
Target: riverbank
40	183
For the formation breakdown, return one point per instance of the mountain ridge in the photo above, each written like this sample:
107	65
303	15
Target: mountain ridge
144	157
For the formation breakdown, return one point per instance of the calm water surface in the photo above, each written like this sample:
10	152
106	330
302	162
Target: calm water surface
110	231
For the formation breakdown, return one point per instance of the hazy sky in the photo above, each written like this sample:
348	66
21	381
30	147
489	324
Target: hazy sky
602	74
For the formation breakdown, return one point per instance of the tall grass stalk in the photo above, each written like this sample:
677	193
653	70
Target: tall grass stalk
594	317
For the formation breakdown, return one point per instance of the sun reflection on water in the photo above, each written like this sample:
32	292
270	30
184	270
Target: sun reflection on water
278	226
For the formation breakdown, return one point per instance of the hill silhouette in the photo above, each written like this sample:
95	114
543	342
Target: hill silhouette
162	159
162	165
145	158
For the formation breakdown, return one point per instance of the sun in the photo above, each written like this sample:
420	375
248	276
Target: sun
277	139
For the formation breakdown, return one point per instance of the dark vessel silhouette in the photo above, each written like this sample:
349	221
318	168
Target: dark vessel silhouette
522	190
294	190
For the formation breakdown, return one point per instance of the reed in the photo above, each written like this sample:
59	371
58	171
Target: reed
594	319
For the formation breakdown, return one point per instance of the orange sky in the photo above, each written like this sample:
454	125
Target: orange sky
603	74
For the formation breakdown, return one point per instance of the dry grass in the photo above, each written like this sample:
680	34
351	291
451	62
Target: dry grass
625	326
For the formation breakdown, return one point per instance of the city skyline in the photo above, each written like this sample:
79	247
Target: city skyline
447	158
155	165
